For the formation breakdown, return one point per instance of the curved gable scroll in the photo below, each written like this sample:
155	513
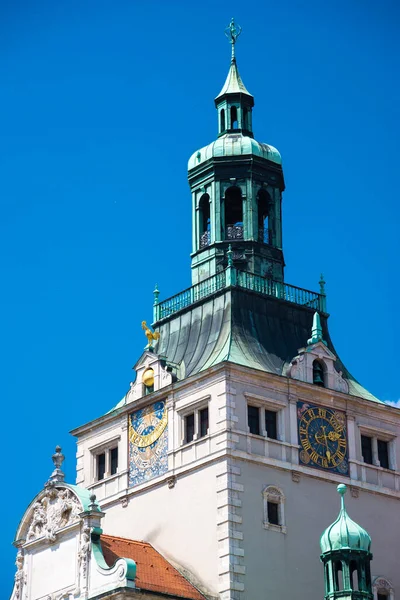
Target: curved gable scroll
54	508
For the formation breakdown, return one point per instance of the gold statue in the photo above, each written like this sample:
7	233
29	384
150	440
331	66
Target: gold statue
152	336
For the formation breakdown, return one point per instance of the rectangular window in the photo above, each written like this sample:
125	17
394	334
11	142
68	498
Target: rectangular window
273	513
203	422
253	419
383	454
114	461
101	466
270	424
366	449
189	428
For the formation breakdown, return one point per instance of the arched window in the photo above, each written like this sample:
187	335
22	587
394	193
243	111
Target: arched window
204	221
263	207
383	589
222	120
318	373
274	508
234	118
354	576
233	213
337	576
327	579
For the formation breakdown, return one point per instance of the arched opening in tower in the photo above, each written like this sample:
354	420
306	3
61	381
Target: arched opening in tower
318	373
233	214
234	118
245	124
222	120
263	207
204	221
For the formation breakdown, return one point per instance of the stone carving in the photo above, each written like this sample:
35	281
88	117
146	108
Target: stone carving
20	576
84	551
296	369
382	584
354	492
171	481
295	476
341	384
57	508
124	501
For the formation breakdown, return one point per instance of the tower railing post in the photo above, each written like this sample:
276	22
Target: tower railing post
156	308
231	277
322	294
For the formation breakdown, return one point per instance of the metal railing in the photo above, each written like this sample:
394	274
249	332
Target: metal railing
200	290
205	239
243	279
234	232
278	289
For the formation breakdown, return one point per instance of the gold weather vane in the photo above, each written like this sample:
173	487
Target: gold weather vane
152	336
232	32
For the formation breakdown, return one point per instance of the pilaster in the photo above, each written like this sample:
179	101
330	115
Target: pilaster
231	560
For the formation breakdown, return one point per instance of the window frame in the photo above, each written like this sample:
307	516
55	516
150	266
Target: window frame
272	494
277	406
381	435
105	448
195	409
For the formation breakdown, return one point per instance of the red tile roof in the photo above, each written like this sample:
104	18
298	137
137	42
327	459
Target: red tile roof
153	573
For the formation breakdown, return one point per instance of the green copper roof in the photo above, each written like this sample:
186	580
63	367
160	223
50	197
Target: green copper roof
232	144
233	83
344	533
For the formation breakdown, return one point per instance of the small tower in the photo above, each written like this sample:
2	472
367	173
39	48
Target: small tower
237	184
345	552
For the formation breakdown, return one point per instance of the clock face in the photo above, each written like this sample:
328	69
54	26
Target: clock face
148	443
322	438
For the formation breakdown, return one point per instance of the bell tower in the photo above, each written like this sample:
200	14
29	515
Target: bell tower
237	186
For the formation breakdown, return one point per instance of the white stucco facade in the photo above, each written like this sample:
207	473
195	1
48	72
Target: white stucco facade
207	513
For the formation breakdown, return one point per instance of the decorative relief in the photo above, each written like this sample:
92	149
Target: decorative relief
295	477
57	509
383	584
354	492
84	552
171	481
148	443
297	368
20	576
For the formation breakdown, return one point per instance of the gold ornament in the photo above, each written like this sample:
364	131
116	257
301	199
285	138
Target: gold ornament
148	378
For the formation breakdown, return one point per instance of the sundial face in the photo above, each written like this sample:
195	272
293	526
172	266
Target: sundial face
148	443
322	438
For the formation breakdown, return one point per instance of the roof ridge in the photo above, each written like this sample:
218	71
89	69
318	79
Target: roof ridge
124	539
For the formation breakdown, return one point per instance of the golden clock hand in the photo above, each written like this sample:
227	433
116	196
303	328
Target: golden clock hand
327	453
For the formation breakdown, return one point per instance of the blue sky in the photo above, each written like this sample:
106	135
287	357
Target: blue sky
102	103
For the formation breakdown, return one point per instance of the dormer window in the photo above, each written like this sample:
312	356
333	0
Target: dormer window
318	374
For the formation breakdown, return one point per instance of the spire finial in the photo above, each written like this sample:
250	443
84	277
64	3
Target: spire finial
316	331
232	32
342	489
58	459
